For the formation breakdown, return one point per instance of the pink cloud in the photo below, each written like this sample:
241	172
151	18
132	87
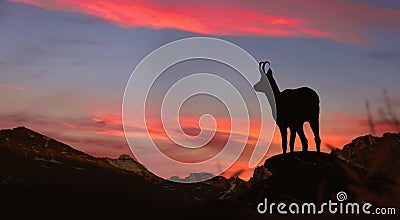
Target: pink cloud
339	20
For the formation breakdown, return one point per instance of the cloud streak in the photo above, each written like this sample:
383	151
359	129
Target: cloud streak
339	20
13	86
389	56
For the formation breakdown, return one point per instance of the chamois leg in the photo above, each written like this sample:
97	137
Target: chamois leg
284	138
315	128
292	139
303	138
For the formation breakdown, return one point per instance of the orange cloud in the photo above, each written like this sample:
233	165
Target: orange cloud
339	20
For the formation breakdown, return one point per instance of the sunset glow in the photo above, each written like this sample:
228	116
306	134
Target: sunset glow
64	65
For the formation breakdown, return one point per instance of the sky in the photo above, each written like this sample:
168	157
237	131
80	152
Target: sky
64	64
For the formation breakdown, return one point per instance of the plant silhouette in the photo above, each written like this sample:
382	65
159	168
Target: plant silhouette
293	108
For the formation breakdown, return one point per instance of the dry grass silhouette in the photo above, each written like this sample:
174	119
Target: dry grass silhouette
389	107
370	121
386	114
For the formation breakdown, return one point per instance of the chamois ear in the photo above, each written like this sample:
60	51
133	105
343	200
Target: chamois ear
261	66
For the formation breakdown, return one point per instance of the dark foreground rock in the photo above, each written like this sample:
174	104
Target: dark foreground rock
303	177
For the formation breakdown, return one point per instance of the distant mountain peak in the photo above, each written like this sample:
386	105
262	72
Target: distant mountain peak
30	144
22	129
125	157
193	177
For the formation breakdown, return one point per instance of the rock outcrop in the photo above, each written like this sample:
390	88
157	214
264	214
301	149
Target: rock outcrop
261	173
375	154
127	163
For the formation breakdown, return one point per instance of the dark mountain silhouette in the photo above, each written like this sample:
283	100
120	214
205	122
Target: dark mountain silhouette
42	176
375	154
37	171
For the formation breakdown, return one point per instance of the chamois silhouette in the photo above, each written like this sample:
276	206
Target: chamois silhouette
293	108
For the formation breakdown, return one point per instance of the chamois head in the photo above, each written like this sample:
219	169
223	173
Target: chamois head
262	85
